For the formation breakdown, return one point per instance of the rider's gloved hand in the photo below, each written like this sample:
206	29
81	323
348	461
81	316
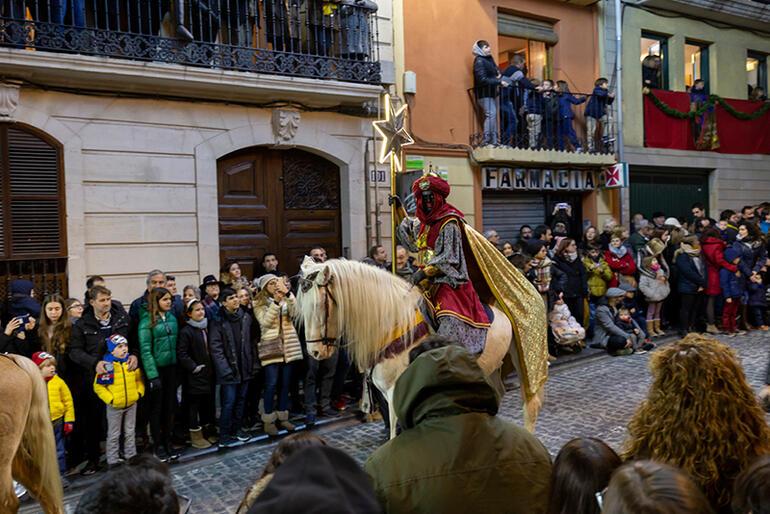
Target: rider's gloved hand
417	277
394	200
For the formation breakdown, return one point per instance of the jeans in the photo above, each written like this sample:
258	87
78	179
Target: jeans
233	399
76	8
272	374
567	131
319	372
58	432
163	406
509	121
489	112
120	422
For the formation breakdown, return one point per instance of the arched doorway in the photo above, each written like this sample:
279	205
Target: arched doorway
33	241
279	201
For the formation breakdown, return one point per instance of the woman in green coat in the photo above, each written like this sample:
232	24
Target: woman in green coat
158	331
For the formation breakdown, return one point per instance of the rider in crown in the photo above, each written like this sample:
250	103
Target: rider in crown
437	236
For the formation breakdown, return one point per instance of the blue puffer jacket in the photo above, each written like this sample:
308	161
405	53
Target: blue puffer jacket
566	101
732	285
690	279
597	105
753	256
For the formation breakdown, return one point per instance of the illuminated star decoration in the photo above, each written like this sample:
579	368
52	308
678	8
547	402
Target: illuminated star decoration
393	131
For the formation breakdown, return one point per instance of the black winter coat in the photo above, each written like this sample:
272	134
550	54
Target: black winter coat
753	257
88	346
690	279
234	364
192	349
569	278
485	74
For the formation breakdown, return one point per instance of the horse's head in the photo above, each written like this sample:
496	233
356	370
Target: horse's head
318	309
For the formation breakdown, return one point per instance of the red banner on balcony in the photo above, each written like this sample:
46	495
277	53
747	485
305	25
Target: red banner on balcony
736	136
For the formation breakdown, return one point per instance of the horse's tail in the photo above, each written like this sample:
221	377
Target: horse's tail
35	464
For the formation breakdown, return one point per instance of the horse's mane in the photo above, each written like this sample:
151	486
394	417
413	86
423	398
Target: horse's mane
371	304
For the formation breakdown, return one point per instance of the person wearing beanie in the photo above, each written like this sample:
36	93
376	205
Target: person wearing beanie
120	389
60	405
192	354
607	334
274	309
210	292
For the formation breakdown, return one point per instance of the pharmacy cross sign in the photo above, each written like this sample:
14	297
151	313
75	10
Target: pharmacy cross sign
616	175
393	131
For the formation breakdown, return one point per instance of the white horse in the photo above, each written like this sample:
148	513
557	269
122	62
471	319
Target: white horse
378	315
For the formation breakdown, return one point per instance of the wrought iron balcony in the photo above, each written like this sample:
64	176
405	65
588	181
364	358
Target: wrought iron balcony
317	39
538	126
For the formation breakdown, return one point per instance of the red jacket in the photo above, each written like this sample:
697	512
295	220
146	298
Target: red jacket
624	265
713	252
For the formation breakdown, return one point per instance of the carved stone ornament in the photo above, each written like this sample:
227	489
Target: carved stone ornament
285	125
9	99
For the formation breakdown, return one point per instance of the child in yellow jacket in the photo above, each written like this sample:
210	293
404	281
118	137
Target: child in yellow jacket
59	404
120	389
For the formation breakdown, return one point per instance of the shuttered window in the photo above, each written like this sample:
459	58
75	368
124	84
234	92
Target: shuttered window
31	188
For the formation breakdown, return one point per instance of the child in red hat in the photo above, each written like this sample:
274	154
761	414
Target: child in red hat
59	403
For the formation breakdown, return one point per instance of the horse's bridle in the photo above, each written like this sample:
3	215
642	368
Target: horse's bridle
306	286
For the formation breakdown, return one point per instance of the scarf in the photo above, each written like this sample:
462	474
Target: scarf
689	250
571	256
202	324
109	377
619	252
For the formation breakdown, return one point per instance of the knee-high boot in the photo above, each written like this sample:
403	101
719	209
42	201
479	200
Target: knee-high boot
181	31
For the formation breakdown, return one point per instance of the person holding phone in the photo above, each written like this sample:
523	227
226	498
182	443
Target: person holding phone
14	338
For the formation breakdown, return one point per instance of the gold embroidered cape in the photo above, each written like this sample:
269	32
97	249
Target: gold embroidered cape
524	307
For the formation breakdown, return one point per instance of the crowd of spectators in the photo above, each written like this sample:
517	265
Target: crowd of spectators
623	288
454	454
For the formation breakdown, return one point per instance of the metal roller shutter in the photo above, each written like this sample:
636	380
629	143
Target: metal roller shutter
507	212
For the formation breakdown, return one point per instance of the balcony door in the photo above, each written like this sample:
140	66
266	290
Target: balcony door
278	201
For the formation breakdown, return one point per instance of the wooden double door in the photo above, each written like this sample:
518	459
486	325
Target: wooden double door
278	201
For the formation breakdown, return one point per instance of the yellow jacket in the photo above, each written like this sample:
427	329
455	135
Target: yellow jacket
126	388
60	400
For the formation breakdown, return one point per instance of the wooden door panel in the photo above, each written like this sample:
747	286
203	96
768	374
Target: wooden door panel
279	201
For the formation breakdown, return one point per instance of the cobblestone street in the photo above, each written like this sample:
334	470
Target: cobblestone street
593	397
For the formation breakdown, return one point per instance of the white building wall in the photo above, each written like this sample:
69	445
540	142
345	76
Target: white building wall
140	179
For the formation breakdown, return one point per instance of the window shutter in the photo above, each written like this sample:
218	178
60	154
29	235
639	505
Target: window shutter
35	220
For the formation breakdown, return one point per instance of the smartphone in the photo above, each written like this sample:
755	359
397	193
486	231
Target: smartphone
562	205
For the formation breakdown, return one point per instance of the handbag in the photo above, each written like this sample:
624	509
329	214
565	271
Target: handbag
269	349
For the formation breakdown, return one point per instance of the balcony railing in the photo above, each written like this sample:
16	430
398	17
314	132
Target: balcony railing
535	119
49	276
304	38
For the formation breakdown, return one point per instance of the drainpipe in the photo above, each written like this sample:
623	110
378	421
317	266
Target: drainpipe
367	196
624	193
377	213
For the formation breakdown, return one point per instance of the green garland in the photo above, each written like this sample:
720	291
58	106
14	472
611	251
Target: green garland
712	101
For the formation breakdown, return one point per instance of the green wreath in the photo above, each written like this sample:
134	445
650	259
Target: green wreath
708	105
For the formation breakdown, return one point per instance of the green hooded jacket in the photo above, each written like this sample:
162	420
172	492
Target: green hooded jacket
454	454
157	344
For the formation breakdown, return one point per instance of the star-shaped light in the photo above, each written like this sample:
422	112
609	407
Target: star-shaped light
393	131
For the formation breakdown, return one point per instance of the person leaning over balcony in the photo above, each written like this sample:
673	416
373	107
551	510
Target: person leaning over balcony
512	98
566	129
597	112
486	80
354	28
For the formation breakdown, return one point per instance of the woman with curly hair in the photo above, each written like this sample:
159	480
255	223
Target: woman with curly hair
701	416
